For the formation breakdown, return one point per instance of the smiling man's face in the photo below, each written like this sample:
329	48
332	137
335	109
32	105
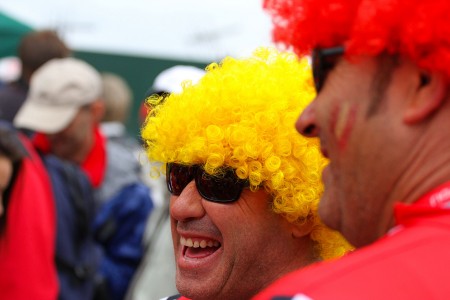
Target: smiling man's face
231	251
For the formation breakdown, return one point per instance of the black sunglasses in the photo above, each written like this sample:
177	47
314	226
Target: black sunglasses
224	187
323	61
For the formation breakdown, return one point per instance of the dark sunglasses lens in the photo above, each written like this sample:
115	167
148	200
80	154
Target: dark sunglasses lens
317	70
223	188
323	61
178	177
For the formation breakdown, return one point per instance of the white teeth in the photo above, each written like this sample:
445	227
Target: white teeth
198	243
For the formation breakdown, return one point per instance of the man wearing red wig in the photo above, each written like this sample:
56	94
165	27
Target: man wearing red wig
382	74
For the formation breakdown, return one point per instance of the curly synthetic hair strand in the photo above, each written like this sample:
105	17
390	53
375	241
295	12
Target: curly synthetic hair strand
416	29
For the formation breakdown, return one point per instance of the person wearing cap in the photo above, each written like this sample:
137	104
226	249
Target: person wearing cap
64	107
382	75
244	184
155	277
118	98
35	49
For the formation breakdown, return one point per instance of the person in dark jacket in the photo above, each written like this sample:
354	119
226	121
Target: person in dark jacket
77	255
65	108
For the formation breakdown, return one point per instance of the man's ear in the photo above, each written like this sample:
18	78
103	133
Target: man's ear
430	95
98	110
302	229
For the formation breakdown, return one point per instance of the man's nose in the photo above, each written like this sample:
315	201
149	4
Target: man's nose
187	205
306	123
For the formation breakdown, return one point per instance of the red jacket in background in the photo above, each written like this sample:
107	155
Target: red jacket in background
27	247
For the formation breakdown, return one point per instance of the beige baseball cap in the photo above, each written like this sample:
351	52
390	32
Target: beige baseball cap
57	91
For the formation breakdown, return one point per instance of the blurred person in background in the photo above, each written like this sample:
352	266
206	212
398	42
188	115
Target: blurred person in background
155	277
34	50
245	186
75	252
64	108
118	99
27	221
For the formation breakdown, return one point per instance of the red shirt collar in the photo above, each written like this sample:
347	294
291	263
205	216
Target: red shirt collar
435	202
95	163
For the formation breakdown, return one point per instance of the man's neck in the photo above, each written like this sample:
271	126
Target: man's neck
427	165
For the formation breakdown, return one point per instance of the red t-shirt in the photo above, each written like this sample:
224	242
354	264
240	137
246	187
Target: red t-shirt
411	262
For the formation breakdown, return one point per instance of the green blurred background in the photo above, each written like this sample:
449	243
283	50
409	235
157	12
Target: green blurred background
139	72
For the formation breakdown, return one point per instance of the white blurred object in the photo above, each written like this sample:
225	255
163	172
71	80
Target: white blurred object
170	80
10	68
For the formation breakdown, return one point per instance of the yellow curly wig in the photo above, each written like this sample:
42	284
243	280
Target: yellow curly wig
241	114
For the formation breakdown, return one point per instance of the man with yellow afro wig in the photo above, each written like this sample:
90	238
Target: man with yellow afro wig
245	185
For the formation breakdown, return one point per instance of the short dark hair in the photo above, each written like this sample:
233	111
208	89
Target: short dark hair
38	47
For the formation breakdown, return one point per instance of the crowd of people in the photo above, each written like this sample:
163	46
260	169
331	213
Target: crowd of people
313	171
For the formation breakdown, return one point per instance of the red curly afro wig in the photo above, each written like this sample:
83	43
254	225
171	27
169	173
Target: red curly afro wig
416	29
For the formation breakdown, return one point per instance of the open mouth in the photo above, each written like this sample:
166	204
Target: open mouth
198	248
